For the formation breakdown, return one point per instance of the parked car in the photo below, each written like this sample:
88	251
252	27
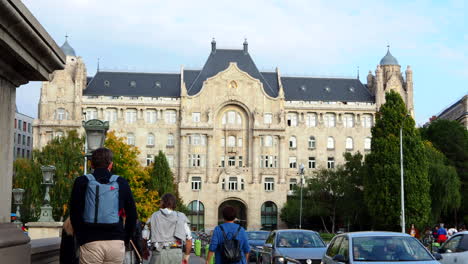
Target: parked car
377	247
455	249
256	239
304	246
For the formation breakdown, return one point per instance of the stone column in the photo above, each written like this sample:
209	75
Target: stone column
183	147
256	162
282	159
209	157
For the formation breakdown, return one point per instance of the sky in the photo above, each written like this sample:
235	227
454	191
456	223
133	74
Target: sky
300	37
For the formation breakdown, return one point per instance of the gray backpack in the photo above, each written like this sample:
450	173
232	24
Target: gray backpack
101	201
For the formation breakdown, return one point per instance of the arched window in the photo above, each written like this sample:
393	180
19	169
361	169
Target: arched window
311	142
131	139
269	215
150	141
232	118
196	215
329	120
349	143
367	121
268	141
367	143
292	142
231	141
61	114
170	140
330	143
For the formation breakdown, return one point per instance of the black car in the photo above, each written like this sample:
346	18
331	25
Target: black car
256	238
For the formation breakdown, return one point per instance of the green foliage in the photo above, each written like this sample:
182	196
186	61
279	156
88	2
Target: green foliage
445	184
382	181
28	177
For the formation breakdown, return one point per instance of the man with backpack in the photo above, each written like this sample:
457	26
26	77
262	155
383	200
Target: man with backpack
229	241
102	212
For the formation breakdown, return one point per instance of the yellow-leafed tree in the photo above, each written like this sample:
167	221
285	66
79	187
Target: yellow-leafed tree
127	166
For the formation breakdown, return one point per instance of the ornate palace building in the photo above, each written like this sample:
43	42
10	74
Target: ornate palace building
232	134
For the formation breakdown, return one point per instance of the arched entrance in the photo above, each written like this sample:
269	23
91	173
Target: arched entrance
241	210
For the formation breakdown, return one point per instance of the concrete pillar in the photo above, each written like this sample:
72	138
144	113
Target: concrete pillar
183	158
209	157
256	162
282	159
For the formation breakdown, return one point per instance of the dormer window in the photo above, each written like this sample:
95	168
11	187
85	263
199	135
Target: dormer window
351	89
133	84
106	83
157	84
303	88
327	89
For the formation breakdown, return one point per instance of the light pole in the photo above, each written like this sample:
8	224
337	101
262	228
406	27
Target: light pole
301	172
18	200
96	131
48	173
402	178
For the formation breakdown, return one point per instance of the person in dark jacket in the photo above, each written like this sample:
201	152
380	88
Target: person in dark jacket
99	242
68	245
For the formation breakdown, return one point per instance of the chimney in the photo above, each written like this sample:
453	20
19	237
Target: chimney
213	46
246	47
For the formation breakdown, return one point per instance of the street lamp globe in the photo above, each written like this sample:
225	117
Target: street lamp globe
18	195
48	174
95	133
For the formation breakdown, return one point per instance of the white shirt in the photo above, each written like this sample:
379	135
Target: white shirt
188	233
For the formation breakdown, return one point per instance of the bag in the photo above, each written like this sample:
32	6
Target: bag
230	248
101	201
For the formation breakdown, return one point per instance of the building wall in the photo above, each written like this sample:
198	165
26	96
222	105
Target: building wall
457	111
22	136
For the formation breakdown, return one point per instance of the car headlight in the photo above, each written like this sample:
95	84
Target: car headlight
280	260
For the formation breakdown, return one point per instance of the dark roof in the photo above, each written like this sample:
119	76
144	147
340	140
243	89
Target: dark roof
146	84
388	59
325	89
67	49
219	61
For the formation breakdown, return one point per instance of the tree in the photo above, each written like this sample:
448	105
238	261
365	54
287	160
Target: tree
27	175
163	181
127	166
451	138
445	184
382	181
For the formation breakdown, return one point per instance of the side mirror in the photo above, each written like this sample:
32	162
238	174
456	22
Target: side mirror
268	245
437	256
339	258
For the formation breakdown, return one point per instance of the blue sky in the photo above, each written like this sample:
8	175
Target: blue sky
304	37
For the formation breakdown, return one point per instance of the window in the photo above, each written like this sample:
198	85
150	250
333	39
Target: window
292	184
29	128
196	215
61	114
24	126
239	160
22	153
223	162
149	159
232	184
267	141
18	152
311	162
171	116
20	123
330	143
28	155
19	139
292	162
111	115
170	140
131	139
269	216
130	116
24	139
239	142
150	140
16	124
196	183
151	116
91	113
196	160
367	121
267	118
170	160
453	245
344	249
58	134
223	142
195	139
269	184
349	143
231	161
232	118
268	161
292	142
348	120
367	143
196	117
311	142
329	120
292	119
311	120
331	163
29	141
231	141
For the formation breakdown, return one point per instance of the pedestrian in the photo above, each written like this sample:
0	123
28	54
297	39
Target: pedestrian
435	232
441	234
413	231
102	212
229	237
451	231
169	229
68	245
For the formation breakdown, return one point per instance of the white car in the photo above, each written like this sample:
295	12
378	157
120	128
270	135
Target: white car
455	249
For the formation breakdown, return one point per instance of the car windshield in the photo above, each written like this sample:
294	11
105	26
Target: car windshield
257	235
299	240
389	248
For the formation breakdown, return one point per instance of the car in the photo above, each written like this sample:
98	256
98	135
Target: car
256	239
455	249
299	245
377	247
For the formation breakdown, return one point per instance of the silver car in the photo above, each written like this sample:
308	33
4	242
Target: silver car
455	250
377	248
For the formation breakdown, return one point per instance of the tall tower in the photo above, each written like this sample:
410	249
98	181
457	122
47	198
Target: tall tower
60	101
388	77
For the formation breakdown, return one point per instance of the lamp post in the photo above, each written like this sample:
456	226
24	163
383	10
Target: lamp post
48	173
402	183
96	131
301	172
18	200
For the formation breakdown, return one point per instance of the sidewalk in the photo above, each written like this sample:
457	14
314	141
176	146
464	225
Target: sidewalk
196	260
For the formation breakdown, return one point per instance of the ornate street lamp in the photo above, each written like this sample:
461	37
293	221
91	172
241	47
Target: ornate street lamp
301	172
96	131
18	200
48	173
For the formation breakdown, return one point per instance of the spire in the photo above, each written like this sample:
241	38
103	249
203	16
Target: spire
66	48
388	59
97	64
213	46
246	46
358	72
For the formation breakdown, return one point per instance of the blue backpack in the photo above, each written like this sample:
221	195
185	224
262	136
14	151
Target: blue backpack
101	201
